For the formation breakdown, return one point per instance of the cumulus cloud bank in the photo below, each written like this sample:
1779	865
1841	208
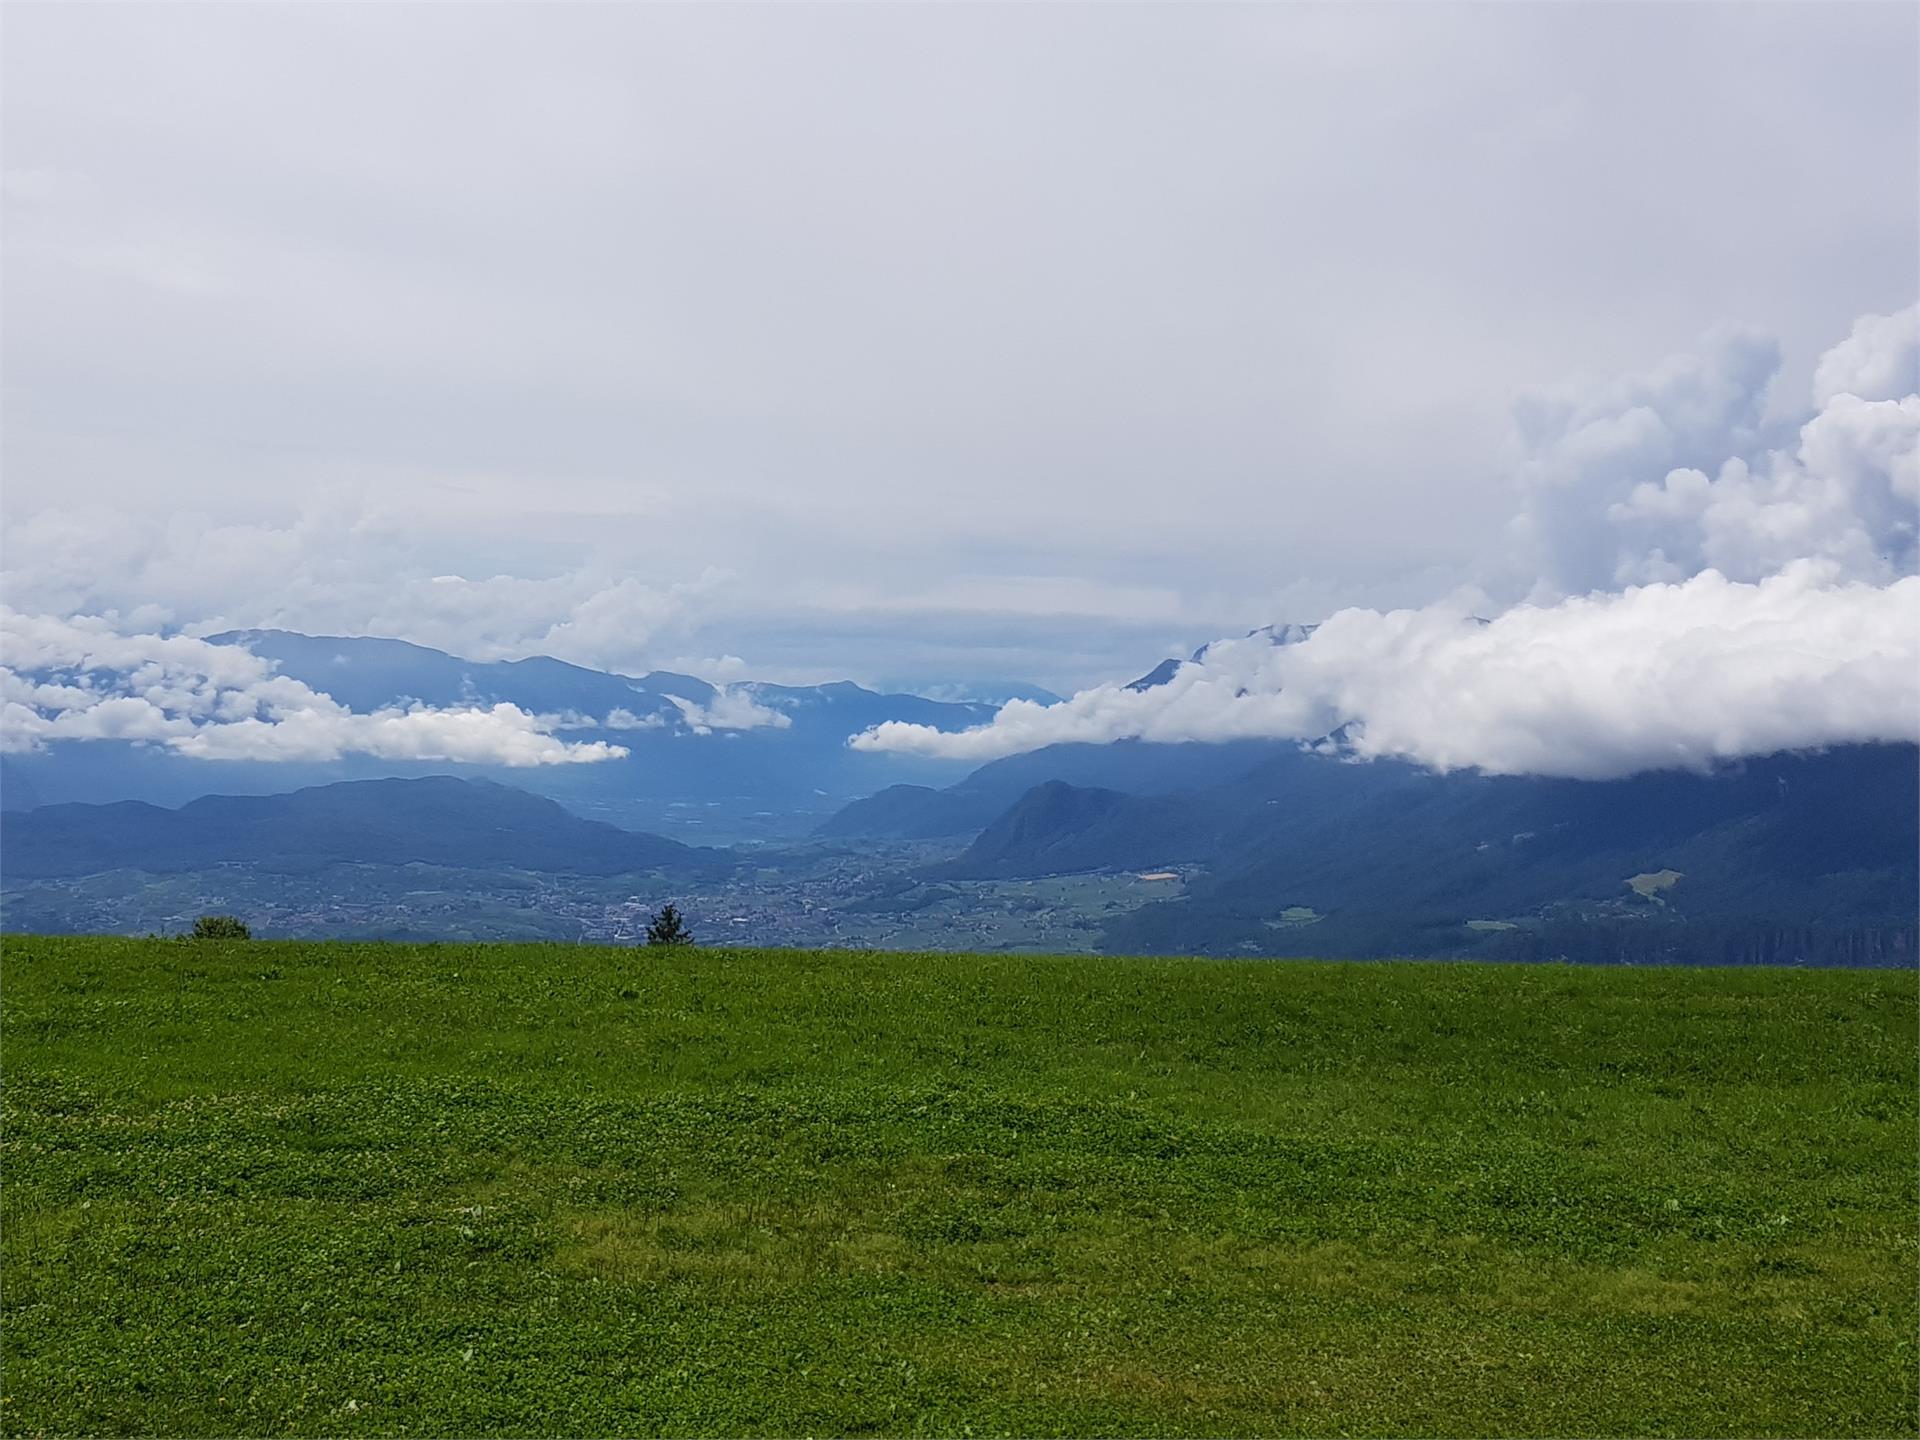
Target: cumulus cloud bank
84	679
1659	676
1768	601
1662	475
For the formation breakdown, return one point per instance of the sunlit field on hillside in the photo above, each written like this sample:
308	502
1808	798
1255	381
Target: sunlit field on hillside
260	1188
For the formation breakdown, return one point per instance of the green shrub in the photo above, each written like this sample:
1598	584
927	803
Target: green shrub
219	927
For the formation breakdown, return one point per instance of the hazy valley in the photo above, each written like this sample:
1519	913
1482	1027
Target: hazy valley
1263	847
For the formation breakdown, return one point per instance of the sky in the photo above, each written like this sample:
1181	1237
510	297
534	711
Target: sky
933	345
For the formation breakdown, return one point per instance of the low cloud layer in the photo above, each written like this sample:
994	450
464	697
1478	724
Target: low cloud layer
1768	598
1659	676
83	679
729	709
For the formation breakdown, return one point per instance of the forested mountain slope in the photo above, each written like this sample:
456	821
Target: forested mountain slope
440	820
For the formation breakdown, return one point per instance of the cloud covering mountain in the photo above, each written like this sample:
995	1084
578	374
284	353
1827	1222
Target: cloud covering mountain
82	679
1659	676
1769	602
729	709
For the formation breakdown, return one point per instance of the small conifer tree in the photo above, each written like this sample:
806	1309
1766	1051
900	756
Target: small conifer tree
668	928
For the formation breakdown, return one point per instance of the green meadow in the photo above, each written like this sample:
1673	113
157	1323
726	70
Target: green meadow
266	1188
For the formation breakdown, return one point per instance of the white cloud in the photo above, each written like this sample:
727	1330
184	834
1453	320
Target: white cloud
86	679
1663	475
342	566
623	719
611	626
1659	676
1846	494
1880	360
729	709
1770	602
500	734
1585	449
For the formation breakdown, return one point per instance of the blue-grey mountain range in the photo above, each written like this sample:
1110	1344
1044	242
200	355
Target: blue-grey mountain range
1284	849
770	780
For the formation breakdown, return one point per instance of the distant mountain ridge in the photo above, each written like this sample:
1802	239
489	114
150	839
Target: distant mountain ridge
1164	672
365	673
1279	848
1133	767
436	820
1395	858
703	759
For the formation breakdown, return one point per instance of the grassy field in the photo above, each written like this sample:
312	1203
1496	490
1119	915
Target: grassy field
328	1189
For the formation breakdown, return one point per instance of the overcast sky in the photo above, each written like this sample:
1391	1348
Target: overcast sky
916	343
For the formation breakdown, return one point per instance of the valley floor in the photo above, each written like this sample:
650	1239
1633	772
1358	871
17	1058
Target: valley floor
827	897
340	1189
